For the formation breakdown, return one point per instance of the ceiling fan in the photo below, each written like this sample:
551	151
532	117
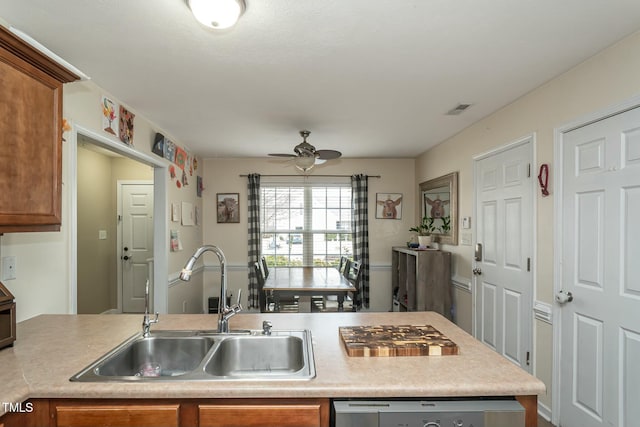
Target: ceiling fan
306	154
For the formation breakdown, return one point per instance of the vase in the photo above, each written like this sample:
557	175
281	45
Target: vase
435	242
424	240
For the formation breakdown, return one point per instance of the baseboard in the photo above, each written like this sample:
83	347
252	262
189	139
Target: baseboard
544	411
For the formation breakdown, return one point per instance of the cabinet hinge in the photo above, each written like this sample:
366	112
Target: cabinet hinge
528	358
528	264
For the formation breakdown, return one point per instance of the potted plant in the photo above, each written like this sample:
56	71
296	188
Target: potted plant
446	224
443	229
424	230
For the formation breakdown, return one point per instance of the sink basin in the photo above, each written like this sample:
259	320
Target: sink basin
157	356
257	357
206	355
163	354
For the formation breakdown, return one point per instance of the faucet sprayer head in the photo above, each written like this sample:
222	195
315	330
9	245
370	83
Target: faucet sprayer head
185	275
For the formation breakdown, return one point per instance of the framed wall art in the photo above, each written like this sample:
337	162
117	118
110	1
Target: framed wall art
389	205
439	201
228	207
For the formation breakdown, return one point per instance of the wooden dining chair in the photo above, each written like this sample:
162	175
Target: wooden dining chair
343	264
262	296
353	273
265	267
265	303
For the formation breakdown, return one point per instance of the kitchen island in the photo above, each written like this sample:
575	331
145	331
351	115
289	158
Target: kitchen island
52	348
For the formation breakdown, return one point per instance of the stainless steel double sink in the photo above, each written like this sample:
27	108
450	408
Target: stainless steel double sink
206	355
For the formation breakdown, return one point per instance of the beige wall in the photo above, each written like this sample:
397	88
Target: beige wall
95	212
609	78
222	176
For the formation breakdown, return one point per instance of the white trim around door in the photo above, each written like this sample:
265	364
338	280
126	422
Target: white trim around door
160	227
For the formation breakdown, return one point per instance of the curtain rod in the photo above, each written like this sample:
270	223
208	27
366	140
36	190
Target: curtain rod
307	176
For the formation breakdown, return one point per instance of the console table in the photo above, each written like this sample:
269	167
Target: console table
421	280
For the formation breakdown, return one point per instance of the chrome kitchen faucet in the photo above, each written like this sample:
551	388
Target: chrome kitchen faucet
225	312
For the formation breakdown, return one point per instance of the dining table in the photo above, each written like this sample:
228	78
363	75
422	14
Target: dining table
305	283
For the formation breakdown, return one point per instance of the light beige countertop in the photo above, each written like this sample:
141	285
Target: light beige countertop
52	348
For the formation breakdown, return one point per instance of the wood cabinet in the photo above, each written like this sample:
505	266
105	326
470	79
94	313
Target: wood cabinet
295	413
31	135
421	280
81	414
173	413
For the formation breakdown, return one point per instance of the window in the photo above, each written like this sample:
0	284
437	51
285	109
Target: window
305	224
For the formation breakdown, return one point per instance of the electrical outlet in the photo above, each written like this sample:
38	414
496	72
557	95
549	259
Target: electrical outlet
9	268
102	234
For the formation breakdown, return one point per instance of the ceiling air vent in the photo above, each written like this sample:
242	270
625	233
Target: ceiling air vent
458	109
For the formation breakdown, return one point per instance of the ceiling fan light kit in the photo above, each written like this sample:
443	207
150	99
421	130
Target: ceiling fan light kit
217	14
306	154
305	163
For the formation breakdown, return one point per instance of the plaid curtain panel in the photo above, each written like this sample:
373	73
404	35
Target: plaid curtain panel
254	243
360	232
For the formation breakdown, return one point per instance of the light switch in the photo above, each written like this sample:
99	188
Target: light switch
8	268
466	222
465	239
102	234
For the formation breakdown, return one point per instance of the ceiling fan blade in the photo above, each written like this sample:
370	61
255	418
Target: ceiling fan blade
328	154
282	155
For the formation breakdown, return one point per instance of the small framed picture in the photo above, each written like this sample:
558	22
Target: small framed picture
389	205
228	207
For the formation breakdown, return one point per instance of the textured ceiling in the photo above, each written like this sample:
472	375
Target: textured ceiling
371	78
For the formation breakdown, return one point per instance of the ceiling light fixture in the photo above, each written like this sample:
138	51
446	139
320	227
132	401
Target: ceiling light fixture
217	14
305	163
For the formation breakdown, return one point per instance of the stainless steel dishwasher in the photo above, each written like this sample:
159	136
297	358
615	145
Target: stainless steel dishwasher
444	413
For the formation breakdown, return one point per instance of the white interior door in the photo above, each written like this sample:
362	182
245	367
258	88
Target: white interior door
136	243
504	228
600	327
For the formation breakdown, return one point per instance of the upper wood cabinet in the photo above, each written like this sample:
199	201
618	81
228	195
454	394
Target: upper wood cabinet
31	137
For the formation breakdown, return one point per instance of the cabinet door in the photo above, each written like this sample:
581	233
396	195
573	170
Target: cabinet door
31	135
311	413
32	413
151	415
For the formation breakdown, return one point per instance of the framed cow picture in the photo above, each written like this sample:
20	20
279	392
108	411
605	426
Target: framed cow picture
228	207
389	205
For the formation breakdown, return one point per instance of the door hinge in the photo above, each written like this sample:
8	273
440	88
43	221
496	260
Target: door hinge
528	358
529	170
528	264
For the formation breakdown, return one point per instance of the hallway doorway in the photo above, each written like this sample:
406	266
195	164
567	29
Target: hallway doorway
97	220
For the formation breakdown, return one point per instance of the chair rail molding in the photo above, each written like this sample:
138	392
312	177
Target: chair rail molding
461	283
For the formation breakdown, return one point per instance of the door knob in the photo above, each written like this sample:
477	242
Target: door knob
564	297
126	258
477	271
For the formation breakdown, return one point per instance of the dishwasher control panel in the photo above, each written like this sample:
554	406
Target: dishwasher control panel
426	419
441	413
